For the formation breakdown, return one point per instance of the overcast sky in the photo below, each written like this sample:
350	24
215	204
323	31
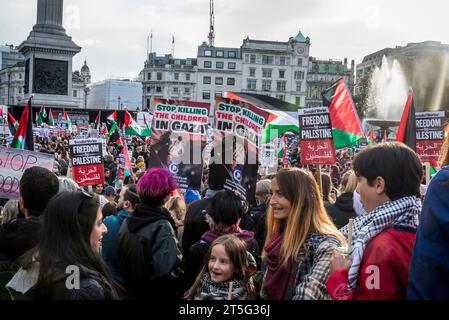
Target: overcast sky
113	33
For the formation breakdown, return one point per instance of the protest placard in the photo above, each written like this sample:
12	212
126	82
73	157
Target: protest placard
87	161
315	134
429	135
13	162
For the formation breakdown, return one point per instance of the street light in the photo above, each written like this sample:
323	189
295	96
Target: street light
119	102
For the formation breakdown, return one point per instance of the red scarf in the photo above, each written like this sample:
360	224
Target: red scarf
278	276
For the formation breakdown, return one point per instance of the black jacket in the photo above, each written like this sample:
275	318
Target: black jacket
20	235
259	215
342	210
195	224
148	253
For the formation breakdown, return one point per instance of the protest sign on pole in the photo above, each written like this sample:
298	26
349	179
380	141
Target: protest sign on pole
178	138
13	162
429	135
237	137
87	161
315	134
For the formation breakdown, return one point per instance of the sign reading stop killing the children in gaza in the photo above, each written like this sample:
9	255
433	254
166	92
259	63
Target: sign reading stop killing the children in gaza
429	135
13	162
87	161
315	134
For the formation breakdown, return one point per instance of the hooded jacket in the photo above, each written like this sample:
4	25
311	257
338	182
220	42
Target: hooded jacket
342	210
149	255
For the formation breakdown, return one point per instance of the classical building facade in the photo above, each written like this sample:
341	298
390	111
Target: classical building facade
9	56
12	84
277	69
322	74
166	77
219	70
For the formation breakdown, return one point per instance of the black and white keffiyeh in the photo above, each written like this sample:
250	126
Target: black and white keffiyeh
209	290
402	213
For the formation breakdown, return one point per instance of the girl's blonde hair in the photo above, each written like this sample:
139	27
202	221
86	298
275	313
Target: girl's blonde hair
236	250
307	214
177	207
349	182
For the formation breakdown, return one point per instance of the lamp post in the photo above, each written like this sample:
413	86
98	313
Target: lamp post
119	102
9	85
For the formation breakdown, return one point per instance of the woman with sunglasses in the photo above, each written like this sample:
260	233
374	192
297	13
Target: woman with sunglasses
66	264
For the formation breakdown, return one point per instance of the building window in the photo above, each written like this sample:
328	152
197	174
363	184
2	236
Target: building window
20	76
218	94
298	86
175	90
148	103
176	76
206	95
232	54
20	90
231	81
158	89
186	90
267	59
282	61
231	65
219	80
75	93
300	62
149	76
280	97
266	73
266	85
251	84
252	72
281	74
299	75
298	101
206	80
207	64
159	76
219	64
148	89
280	85
252	58
220	53
246	58
208	53
187	76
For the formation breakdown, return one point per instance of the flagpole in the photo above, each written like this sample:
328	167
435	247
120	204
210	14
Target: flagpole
320	183
427	166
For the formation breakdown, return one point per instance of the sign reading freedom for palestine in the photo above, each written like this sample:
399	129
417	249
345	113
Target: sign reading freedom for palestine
87	161
13	162
429	135
315	134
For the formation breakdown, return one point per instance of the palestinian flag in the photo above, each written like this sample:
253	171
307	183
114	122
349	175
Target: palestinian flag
346	126
407	126
51	120
39	119
112	127
69	122
283	149
23	138
98	120
371	137
384	140
131	126
146	132
13	124
44	113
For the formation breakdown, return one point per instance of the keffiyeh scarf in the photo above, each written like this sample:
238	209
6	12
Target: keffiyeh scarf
209	290
402	213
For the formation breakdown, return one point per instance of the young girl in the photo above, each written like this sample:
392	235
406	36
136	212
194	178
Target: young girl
301	239
226	274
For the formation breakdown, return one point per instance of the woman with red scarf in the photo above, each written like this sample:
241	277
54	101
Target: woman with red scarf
301	239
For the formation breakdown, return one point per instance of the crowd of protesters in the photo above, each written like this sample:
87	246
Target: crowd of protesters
142	238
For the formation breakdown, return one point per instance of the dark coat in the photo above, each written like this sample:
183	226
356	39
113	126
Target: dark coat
342	210
429	268
20	235
195	224
148	253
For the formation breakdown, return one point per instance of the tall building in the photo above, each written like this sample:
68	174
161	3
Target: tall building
219	71
166	77
115	94
12	84
277	69
322	74
9	56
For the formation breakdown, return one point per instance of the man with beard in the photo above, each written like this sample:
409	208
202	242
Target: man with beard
126	204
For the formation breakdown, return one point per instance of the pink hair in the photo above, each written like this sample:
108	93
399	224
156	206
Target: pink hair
156	182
